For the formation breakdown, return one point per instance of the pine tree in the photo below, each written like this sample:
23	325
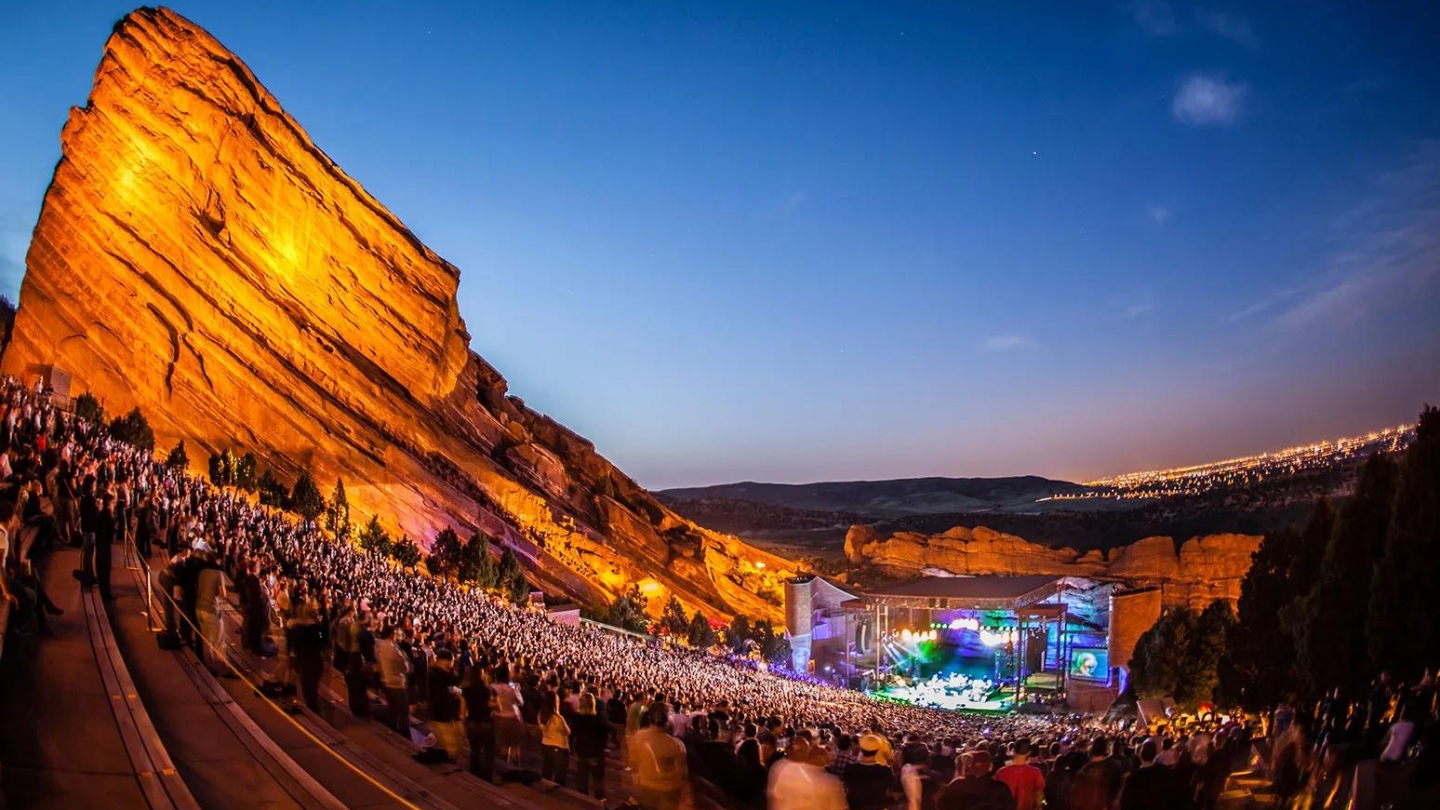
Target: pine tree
228	466
245	468
1162	654
374	539
305	498
509	570
477	566
1329	621
1403	626
178	459
272	492
701	634
516	589
87	407
216	469
673	618
739	634
1201	676
337	512
628	610
406	552
444	556
133	429
1259	663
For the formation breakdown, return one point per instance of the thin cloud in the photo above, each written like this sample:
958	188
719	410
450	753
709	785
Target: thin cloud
1230	26
1008	343
1159	213
1263	305
1138	311
794	201
1389	249
1156	17
1209	101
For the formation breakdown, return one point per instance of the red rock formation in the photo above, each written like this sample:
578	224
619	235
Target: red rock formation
198	256
1200	571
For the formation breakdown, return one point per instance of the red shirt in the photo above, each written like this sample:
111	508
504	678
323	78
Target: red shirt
1026	783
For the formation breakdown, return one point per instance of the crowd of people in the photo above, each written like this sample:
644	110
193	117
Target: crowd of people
499	680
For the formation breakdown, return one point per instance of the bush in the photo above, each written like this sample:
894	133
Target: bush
87	407
133	430
178	459
305	498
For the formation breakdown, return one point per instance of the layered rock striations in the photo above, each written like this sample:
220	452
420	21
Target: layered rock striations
198	256
1196	572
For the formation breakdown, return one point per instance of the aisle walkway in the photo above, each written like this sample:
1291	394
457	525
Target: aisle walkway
59	744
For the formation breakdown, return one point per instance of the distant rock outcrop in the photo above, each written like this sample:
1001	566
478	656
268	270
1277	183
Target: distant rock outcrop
198	256
1199	571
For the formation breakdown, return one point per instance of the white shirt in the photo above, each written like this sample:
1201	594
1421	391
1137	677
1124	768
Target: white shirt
797	786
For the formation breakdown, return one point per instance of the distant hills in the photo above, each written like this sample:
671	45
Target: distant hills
1252	495
894	498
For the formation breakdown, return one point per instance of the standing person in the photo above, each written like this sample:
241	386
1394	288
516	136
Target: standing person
394	670
800	782
662	776
209	591
589	736
915	780
479	721
868	783
357	676
442	695
509	723
1097	785
307	648
975	788
554	741
1151	785
89	521
1026	782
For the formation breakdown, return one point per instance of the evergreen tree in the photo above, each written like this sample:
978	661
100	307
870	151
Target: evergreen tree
628	610
701	634
673	618
87	407
406	552
1202	673
476	564
516	589
178	459
337	512
509	573
1161	655
444	556
1403	626
216	469
1329	621
305	498
245	468
374	539
272	492
739	634
133	429
228	466
1259	664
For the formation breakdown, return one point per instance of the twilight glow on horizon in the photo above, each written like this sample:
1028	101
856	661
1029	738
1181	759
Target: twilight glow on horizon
823	241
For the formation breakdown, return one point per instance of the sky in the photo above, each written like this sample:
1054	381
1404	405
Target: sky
789	241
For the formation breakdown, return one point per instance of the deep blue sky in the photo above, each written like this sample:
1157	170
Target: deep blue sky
801	241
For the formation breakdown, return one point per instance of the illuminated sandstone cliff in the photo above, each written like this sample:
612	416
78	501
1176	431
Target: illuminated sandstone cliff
1200	571
198	256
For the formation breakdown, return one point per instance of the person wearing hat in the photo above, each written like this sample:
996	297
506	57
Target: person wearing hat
868	782
977	787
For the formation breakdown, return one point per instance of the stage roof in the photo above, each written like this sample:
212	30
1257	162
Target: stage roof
966	587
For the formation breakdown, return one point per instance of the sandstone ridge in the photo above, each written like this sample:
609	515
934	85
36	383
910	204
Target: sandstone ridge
1197	572
199	256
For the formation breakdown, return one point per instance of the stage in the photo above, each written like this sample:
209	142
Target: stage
954	692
